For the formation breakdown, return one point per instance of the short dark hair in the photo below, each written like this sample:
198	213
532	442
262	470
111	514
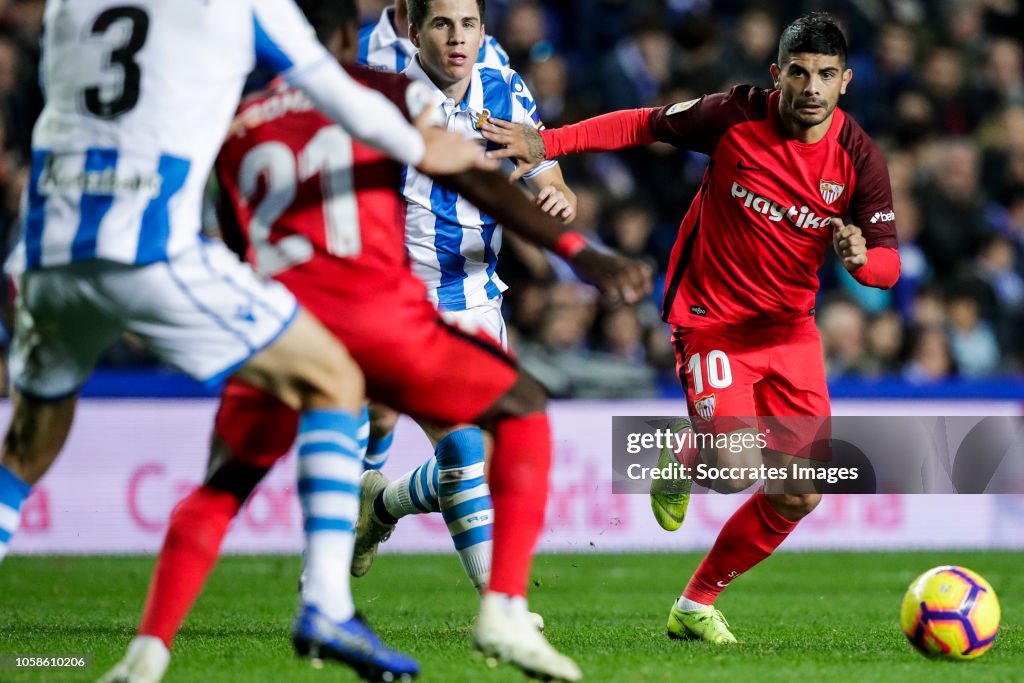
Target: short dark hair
419	9
816	33
327	16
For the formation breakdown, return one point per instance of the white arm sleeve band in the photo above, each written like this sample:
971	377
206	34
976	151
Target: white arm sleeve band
284	41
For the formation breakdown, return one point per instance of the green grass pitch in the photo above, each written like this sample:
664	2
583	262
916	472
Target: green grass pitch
801	617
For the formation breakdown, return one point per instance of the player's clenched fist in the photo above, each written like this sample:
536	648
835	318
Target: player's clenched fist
849	244
620	278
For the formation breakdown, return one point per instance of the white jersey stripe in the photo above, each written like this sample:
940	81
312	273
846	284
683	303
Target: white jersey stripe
98	161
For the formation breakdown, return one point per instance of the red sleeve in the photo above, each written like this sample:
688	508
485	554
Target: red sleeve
699	124
603	133
393	86
871	203
882	269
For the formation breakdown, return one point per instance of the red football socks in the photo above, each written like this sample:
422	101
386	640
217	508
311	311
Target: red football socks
520	472
753	532
191	548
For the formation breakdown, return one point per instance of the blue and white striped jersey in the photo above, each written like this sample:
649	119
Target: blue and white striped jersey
381	48
139	97
453	245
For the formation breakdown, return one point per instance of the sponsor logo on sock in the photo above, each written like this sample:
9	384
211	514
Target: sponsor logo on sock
723	584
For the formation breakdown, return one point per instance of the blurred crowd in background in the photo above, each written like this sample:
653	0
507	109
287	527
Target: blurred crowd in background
938	84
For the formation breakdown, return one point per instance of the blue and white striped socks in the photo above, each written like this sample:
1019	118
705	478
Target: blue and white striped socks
329	471
363	433
414	493
374	450
13	491
451	482
378	451
465	501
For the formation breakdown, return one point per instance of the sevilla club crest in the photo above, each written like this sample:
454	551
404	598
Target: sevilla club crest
830	191
705	406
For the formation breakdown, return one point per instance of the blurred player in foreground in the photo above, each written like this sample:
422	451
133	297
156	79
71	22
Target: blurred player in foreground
324	216
111	242
454	248
386	46
786	166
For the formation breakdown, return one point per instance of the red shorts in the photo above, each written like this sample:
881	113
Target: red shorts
413	361
735	377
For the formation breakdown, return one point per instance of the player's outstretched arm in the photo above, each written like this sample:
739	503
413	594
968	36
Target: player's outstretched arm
620	278
604	133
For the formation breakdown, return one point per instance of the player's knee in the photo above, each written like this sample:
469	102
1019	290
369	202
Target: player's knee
794	506
526	396
225	473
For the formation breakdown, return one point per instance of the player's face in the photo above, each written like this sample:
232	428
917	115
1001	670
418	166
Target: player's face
810	86
449	39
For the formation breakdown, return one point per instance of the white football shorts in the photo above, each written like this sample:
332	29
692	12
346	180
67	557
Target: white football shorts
486	318
203	311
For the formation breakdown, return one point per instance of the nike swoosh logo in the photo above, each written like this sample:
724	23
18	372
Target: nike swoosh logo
757	169
721	585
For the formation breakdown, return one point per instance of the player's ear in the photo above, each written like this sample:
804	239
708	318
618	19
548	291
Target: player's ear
414	35
776	74
847	77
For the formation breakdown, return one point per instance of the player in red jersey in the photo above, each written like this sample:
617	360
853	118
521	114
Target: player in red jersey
325	217
787	166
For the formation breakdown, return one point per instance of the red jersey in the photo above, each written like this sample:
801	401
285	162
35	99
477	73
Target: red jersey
757	232
299	185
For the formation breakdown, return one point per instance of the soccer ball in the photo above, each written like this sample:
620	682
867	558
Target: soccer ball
950	612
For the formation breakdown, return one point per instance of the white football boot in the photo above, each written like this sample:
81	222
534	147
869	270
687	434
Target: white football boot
505	632
145	662
369	532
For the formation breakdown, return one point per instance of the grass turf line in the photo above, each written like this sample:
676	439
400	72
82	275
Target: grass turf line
800	616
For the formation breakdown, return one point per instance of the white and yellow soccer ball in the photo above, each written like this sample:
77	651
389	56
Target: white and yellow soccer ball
950	612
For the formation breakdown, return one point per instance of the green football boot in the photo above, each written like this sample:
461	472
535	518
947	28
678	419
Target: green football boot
707	624
670	497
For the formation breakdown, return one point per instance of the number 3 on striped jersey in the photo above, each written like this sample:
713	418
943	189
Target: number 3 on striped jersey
719	373
329	153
